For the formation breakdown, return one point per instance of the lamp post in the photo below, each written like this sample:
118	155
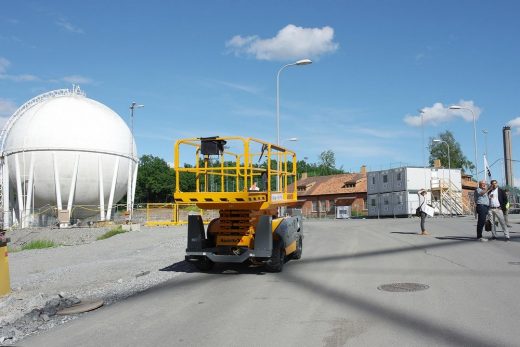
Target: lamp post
421	111
449	167
131	191
457	107
297	63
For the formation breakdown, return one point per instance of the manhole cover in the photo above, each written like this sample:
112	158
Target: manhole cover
514	262
403	287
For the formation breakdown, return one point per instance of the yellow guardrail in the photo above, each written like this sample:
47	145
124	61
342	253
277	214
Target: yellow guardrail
234	172
165	214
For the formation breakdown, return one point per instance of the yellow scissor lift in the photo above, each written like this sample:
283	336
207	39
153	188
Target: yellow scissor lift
246	180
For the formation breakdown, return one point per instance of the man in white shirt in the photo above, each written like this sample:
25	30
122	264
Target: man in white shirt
496	200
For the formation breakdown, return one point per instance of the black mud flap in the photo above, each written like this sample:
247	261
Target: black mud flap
264	237
196	235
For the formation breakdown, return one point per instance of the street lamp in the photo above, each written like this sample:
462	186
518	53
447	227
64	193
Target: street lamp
297	63
131	190
292	139
449	166
457	107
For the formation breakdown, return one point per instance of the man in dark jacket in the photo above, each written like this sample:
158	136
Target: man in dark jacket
497	206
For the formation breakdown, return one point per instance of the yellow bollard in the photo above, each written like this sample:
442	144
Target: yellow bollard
5	283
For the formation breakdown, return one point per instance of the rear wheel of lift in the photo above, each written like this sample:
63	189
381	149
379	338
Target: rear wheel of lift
299	248
275	263
204	264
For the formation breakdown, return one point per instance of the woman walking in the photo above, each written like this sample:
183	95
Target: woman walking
422	205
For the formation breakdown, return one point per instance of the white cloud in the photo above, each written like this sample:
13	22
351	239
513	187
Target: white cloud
241	87
69	26
4	64
380	133
7	108
290	43
515	123
439	113
77	79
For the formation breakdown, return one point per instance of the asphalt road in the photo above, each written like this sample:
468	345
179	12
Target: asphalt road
330	297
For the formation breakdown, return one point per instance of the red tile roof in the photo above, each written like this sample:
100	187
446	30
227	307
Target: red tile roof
334	184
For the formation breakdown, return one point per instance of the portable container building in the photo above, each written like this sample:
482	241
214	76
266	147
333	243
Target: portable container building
443	177
386	181
399	179
386	204
373	182
373	205
406	202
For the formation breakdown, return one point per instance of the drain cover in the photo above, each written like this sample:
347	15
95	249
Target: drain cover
403	287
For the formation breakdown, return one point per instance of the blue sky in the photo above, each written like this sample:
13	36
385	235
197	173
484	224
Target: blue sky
205	68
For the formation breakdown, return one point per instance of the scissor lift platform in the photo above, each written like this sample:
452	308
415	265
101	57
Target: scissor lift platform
247	181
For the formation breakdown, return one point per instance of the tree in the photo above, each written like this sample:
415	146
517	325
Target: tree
327	163
155	180
440	151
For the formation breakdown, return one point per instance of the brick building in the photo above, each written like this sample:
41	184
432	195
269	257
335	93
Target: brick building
321	194
468	191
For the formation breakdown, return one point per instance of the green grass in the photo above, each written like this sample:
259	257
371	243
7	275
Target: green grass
12	249
191	209
112	232
39	244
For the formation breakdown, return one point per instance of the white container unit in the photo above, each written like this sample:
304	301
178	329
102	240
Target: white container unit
445	176
399	175
406	202
417	178
343	212
386	204
400	203
386	181
373	182
373	205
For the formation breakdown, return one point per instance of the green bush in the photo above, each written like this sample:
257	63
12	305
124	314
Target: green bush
39	244
117	230
191	208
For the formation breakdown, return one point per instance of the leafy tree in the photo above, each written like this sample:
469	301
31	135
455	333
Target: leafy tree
325	166
440	151
155	180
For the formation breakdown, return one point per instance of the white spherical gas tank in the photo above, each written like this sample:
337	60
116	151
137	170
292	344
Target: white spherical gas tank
72	149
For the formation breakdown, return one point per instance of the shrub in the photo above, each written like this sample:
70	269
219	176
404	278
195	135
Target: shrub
39	244
115	231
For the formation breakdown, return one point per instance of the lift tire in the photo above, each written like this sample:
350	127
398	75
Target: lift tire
299	248
277	260
204	264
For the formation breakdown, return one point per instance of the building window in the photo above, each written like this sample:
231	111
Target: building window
373	202
373	180
323	205
314	206
331	205
385	178
398	176
349	185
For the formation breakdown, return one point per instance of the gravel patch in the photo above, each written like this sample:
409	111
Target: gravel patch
82	269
